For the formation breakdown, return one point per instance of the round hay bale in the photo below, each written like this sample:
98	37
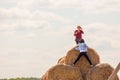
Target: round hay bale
82	64
44	77
61	60
100	72
64	72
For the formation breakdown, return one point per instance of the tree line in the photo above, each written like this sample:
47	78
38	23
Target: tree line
23	78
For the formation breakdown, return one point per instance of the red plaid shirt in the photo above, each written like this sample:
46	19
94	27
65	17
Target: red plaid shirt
78	34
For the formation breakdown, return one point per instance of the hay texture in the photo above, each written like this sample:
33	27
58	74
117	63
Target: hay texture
82	70
82	64
61	60
63	72
100	72
44	77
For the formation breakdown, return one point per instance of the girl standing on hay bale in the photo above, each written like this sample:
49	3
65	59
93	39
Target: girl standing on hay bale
78	34
82	47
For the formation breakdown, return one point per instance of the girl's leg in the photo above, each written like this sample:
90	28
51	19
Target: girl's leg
86	56
80	54
77	40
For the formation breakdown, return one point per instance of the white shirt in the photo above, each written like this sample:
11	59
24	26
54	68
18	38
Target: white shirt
82	47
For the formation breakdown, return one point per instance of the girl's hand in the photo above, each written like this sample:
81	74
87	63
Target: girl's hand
75	32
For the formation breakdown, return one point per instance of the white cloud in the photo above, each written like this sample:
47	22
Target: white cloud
93	6
22	23
14	13
87	6
6	27
49	16
18	13
16	18
103	6
31	4
103	34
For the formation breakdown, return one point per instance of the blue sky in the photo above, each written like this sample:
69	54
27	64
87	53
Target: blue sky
34	34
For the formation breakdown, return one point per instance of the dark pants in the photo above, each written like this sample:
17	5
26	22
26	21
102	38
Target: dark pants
80	55
77	40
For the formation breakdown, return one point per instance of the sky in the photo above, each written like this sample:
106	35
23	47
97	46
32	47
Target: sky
34	34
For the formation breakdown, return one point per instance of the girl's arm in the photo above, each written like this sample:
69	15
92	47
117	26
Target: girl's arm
82	31
75	33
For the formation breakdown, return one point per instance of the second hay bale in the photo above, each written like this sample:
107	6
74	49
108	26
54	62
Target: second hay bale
100	72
